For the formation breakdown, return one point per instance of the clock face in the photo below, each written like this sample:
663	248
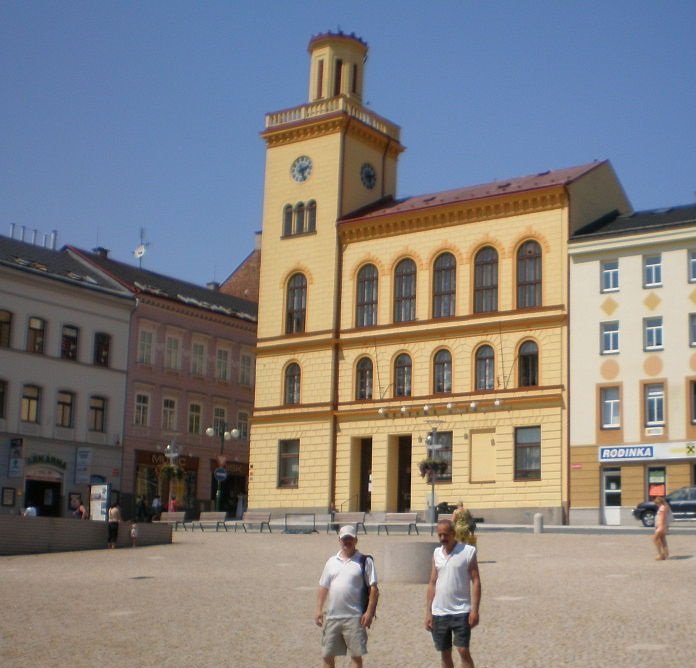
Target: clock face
368	176
301	168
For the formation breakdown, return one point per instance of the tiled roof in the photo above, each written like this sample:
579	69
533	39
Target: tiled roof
639	221
53	264
556	177
144	281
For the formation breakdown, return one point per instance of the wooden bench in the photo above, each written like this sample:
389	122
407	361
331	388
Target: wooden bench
210	518
252	517
175	519
357	519
398	520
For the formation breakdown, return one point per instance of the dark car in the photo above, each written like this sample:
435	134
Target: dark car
682	502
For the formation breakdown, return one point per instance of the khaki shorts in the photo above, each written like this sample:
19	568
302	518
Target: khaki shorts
344	635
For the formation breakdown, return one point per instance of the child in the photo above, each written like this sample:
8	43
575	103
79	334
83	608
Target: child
133	533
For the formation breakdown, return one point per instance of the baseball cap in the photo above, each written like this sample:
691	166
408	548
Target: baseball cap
347	530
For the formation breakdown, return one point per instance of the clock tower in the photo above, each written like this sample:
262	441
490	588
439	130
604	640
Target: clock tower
325	160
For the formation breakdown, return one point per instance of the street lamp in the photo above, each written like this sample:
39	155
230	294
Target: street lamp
432	445
225	434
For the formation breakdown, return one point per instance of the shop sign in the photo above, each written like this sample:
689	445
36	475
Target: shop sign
645	452
83	466
47	459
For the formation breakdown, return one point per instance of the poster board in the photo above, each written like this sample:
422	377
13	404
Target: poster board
99	502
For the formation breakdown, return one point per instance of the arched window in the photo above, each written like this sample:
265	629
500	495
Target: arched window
299	218
444	286
402	376
442	372
529	275
485	368
287	220
486	280
296	304
292	384
528	364
366	298
405	291
311	216
363	381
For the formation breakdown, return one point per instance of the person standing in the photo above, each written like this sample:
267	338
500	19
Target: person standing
453	596
156	508
663	519
114	519
464	525
348	590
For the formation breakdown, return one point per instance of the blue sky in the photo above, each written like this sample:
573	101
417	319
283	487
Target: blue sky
117	116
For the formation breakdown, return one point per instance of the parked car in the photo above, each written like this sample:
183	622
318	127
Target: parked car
682	502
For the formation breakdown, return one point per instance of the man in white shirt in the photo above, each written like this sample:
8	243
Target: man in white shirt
454	595
348	589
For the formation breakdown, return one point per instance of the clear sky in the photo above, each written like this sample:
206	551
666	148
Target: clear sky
117	116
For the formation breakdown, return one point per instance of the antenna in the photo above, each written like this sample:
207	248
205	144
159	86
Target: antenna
141	249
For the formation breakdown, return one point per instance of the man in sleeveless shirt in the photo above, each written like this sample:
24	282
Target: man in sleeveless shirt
454	595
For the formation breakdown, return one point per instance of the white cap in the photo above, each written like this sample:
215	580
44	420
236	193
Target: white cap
347	530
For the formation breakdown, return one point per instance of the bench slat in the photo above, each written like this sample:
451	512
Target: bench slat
399	519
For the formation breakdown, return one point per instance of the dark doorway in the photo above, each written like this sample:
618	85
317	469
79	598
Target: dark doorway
44	496
403	491
231	488
365	501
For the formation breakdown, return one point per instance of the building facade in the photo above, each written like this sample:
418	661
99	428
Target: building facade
633	362
397	333
63	364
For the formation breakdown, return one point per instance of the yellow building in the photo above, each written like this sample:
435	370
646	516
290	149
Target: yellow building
387	326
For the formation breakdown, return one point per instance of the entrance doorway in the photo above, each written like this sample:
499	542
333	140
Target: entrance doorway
403	489
44	496
611	490
365	494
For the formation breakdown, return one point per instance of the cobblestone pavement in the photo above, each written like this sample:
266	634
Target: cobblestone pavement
247	600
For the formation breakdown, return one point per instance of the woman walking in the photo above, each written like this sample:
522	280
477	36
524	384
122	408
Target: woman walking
663	519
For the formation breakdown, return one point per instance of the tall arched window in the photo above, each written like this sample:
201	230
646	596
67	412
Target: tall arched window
299	218
485	368
287	220
529	275
444	286
292	384
296	304
363	381
366	298
405	291
442	372
311	216
486	280
402	376
528	364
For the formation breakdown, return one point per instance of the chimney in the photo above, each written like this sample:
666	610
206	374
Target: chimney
101	252
213	285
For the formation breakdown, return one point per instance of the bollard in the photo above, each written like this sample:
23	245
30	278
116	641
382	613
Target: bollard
538	523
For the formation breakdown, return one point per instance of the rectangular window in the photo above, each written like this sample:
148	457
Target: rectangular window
219	420
169	414
692	329
194	419
36	334
692	267
142	410
609	338
222	364
145	347
171	353
528	453
288	463
611	407
65	407
692	400
652	334
654	404
5	328
198	359
102	346
652	271
97	414
337	76
441	450
68	342
246	370
31	398
243	425
610	276
320	79
3	398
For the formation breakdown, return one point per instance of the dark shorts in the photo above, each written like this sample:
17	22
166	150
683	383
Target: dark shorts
113	532
451	630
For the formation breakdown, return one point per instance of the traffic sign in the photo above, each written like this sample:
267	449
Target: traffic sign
220	474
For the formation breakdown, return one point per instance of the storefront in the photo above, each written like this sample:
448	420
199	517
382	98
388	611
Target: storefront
156	476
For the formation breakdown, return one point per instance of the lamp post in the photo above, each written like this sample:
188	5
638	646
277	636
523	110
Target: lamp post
225	434
431	446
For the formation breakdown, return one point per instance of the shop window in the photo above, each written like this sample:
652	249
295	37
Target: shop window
405	291
288	463
657	481
366	298
528	453
610	276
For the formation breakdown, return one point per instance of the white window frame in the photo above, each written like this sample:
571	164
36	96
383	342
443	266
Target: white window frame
610	407
653	334
609	337
246	370
652	271
692	329
194	418
141	414
243	425
610	276
220	419
654	394
692	266
222	364
198	354
168	414
172	352
145	346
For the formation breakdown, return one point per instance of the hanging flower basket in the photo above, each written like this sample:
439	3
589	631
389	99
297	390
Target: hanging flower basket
428	467
170	471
